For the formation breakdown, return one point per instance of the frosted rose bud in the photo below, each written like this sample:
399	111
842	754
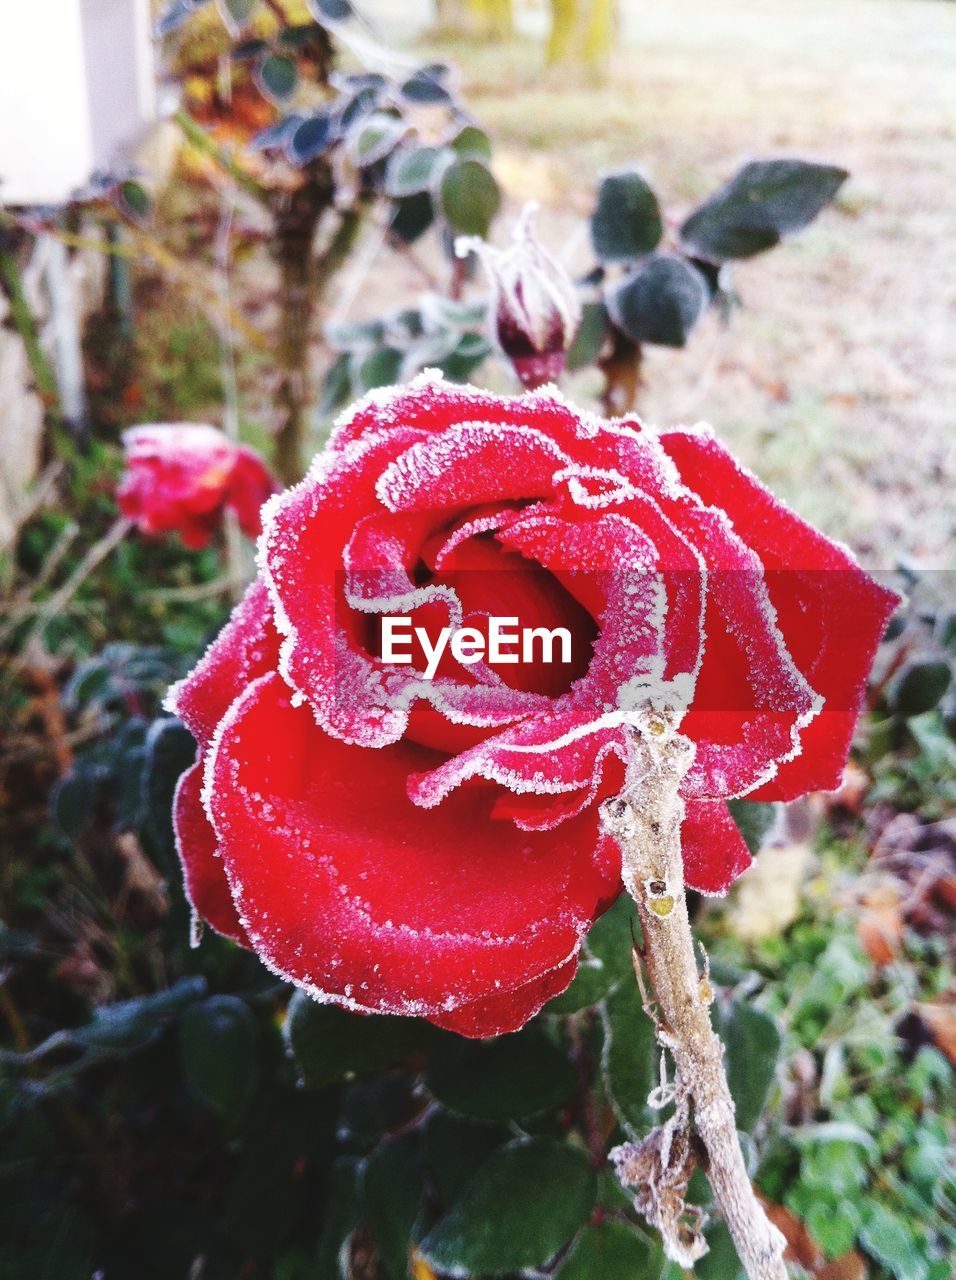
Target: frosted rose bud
535	310
182	476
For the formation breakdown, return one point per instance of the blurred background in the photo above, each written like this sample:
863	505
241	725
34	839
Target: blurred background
243	212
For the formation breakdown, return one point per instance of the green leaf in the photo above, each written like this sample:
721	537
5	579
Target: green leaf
170	751
522	1206
659	302
721	1262
427	85
337	386
919	686
73	800
834	1226
472	142
765	201
456	1148
611	1250
754	818
753	1040
330	11
329	1043
508	1078
468	196
459	364
278	77
135	200
393	1184
409	172
311	137
380	369
341	1214
377	135
412	217
631	1057
590	337
236	14
605	959
219	1043
889	1239
627	221
131	1024
358	335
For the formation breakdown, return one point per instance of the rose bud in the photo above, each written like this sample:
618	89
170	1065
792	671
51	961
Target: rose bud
534	308
183	476
422	835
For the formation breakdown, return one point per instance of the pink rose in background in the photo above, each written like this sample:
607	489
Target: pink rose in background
182	476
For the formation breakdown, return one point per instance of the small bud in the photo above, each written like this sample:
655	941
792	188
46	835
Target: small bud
535	310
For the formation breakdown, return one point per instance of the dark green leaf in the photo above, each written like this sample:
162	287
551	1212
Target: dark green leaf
472	142
236	14
456	1148
412	217
341	1214
89	682
611	1250
73	800
329	1043
312	138
427	85
135	200
920	685
524	1204
277	135
219	1044
380	369
130	1024
409	172
337	387
752	1039
765	201
469	197
175	14
627	221
460	363
170	751
508	1078
721	1262
393	1183
278	77
590	337
605	959
330	11
754	818
375	138
660	302
631	1056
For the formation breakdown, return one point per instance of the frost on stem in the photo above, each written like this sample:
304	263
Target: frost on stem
646	821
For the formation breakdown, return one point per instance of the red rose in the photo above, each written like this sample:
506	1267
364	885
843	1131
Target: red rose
183	476
432	847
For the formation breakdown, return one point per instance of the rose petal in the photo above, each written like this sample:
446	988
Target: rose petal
510	1010
714	851
351	891
204	875
832	613
247	647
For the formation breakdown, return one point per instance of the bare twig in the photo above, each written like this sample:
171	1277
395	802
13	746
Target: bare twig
646	820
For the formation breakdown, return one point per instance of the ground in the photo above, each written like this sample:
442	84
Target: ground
837	381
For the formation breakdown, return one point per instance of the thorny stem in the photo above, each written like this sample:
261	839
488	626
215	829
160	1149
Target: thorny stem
646	820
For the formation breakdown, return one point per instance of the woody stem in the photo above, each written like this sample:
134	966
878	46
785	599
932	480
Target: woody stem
646	819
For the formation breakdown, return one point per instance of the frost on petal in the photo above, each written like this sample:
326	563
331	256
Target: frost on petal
348	889
204	875
713	849
508	1010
